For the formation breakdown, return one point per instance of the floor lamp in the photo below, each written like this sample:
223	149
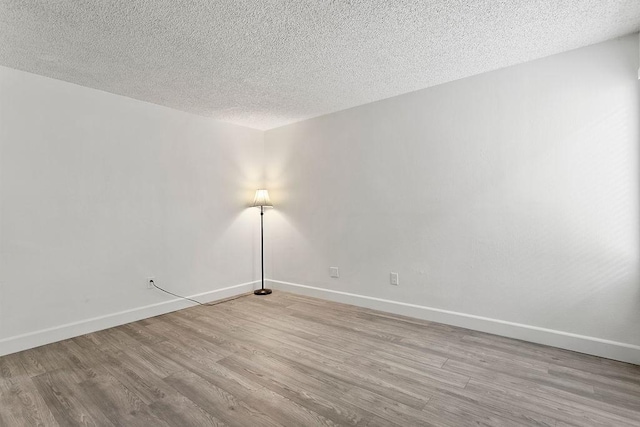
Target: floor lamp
262	200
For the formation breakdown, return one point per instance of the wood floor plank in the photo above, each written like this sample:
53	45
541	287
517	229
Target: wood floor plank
65	402
21	404
455	412
218	402
375	407
37	361
11	367
522	412
360	359
215	373
177	410
153	360
494	368
197	347
142	334
558	394
597	379
411	394
557	356
136	377
558	410
330	341
280	408
119	404
290	360
302	389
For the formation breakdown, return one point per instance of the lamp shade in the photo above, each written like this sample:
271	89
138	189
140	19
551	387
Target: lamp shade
262	198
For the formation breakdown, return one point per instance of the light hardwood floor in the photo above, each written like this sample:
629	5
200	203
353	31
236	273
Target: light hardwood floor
290	360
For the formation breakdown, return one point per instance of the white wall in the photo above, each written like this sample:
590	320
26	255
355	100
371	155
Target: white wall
507	202
99	192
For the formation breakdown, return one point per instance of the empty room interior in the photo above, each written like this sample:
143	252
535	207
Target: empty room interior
320	213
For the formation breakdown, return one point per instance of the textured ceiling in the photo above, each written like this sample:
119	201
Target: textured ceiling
266	63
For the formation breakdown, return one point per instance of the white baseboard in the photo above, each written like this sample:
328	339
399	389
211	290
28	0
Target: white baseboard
70	330
584	344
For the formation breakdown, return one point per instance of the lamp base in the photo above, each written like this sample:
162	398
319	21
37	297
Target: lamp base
262	291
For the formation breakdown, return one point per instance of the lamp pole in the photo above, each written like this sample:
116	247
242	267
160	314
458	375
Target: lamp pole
262	242
262	200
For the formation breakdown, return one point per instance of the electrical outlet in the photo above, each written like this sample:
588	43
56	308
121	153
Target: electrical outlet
149	282
394	279
333	272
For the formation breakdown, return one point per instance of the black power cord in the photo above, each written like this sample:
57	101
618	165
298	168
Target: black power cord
210	304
